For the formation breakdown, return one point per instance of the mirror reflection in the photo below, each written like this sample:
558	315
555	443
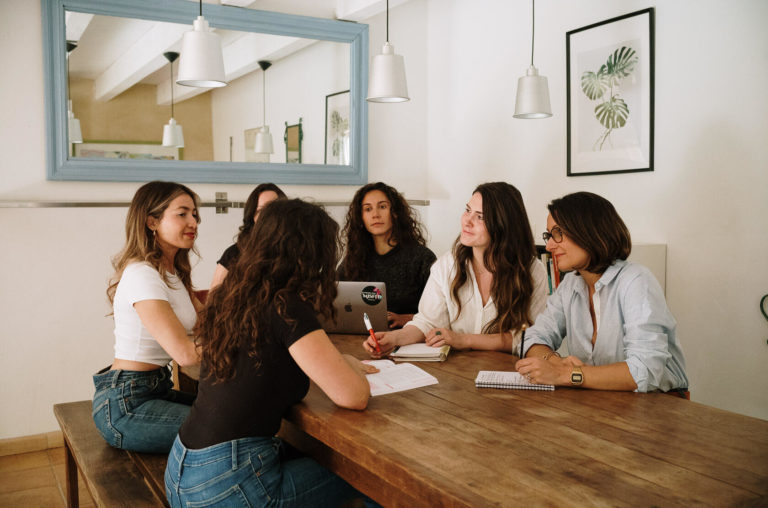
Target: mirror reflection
121	89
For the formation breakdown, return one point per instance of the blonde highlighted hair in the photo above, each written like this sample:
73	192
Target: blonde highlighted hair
151	200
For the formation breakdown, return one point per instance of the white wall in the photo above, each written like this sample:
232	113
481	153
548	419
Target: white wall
706	199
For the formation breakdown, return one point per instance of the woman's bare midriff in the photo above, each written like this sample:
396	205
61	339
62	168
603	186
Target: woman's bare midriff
120	364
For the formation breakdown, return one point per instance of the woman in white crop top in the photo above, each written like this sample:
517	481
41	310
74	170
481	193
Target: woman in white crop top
480	295
135	407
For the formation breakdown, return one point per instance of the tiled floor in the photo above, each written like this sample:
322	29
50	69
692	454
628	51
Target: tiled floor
36	479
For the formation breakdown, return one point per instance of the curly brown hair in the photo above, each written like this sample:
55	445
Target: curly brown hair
406	229
509	257
151	200
292	249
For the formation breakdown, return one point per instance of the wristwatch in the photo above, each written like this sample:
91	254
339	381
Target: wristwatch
577	377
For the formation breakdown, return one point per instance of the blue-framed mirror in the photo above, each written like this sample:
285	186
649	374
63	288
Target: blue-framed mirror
297	46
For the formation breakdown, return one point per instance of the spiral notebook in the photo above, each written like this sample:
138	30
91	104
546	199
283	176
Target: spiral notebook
505	379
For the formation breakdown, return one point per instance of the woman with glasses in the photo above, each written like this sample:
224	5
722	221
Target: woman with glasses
621	335
482	294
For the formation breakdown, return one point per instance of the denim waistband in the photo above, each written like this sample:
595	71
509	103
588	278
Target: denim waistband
106	378
237	451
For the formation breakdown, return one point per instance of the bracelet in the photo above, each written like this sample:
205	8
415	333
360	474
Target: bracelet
550	355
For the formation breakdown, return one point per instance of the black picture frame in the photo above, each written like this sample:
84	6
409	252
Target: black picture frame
610	74
337	128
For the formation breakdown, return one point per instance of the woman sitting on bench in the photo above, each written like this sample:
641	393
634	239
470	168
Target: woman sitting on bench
154	309
260	344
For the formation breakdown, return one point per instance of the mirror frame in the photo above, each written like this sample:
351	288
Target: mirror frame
61	167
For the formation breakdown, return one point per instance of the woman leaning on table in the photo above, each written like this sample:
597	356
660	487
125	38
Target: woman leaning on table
260	344
385	243
480	295
621	335
154	310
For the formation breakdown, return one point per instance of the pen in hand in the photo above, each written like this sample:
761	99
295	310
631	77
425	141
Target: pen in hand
522	343
370	330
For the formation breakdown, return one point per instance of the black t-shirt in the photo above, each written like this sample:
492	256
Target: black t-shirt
405	271
229	258
252	403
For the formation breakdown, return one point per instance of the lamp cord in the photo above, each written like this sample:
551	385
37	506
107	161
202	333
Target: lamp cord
263	98
201	7
533	26
171	63
387	20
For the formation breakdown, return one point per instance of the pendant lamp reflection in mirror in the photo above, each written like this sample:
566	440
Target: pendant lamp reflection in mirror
202	62
532	90
263	141
73	124
172	134
387	83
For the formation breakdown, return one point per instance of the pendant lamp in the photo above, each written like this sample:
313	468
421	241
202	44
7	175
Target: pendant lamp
263	142
387	82
73	124
532	90
202	62
172	134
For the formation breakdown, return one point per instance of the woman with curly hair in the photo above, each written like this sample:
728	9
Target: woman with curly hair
261	196
483	293
261	343
385	243
154	310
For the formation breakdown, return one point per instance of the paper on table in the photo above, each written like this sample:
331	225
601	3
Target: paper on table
393	378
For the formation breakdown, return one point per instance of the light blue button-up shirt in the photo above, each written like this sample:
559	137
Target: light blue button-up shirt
634	326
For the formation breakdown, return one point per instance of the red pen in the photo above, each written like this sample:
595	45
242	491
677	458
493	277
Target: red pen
370	330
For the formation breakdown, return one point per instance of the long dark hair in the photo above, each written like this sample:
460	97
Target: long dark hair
251	205
593	224
151	200
509	256
406	229
292	249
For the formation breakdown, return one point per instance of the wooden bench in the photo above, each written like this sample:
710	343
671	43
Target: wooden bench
113	477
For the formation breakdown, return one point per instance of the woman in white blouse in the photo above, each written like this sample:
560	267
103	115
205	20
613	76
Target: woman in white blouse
134	406
480	295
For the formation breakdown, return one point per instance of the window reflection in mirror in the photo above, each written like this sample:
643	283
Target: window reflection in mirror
120	86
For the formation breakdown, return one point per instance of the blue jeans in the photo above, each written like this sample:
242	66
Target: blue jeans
139	411
250	472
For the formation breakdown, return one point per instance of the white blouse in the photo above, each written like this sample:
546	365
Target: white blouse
437	309
141	281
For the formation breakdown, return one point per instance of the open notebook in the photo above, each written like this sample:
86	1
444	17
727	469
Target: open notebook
506	379
393	378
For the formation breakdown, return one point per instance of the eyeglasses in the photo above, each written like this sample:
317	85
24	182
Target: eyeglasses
556	234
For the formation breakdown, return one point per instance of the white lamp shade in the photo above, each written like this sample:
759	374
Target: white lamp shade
263	141
173	135
387	82
201	63
532	96
73	125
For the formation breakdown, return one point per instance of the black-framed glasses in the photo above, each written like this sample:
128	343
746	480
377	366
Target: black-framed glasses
556	234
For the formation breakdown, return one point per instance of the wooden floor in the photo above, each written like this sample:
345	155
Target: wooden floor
36	479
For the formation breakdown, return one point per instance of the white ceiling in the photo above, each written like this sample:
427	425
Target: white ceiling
117	53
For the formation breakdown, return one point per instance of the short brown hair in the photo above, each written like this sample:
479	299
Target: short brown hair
593	224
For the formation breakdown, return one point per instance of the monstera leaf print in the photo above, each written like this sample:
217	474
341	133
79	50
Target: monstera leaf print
613	111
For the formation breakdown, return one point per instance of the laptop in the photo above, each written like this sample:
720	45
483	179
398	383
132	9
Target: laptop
353	299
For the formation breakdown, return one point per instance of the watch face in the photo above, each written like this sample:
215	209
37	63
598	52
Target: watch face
577	378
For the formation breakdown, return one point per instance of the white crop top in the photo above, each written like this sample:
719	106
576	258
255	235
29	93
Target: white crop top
140	281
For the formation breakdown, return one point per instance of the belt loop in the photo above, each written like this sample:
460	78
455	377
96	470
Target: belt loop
234	455
181	462
115	375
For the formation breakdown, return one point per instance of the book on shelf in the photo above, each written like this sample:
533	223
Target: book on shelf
420	353
396	377
507	379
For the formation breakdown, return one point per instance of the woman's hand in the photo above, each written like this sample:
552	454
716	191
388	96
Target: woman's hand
553	371
437	337
387	342
397	320
358	366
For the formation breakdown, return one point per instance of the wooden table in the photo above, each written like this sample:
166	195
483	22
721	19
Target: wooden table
452	444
